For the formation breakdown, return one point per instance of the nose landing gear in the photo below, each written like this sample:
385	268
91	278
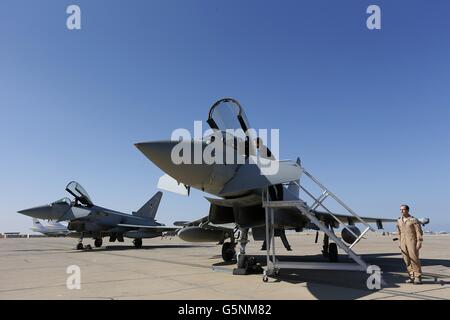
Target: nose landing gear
80	243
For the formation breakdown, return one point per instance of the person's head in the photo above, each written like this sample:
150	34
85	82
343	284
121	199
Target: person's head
404	209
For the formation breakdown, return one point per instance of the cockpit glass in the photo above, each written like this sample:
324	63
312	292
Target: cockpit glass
62	201
227	115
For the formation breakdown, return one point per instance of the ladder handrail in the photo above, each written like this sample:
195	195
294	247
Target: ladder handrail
331	234
337	199
359	238
329	212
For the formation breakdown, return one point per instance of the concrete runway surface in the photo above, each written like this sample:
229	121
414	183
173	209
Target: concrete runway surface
36	268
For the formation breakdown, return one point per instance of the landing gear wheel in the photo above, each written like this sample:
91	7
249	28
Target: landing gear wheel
265	278
137	242
98	242
228	252
79	246
333	252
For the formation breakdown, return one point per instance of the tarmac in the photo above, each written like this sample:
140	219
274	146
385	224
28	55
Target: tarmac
36	268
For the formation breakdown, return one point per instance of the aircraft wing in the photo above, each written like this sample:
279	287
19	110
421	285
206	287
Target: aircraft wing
155	228
205	224
245	201
347	218
223	227
192	223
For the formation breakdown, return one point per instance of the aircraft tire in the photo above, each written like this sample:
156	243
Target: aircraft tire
333	252
228	252
137	242
98	242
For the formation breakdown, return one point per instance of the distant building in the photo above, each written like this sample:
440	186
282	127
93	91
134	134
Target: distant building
11	235
20	235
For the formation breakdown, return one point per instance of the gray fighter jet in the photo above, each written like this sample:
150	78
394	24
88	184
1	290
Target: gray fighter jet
96	222
238	185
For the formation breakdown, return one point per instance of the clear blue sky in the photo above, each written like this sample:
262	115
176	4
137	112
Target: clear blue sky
367	111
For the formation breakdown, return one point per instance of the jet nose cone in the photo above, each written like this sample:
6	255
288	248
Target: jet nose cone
41	212
159	152
177	159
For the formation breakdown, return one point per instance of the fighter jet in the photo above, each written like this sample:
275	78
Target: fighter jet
238	182
96	222
50	229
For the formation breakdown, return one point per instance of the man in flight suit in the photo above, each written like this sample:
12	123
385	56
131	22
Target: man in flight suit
411	237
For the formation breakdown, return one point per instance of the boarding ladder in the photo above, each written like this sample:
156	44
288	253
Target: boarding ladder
273	265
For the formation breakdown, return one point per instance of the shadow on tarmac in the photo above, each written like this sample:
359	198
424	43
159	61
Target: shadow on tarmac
390	263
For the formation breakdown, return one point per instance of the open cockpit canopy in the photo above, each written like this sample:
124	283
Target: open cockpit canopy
228	118
75	189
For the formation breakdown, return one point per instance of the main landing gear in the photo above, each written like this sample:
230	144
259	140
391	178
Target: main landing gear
98	242
330	250
137	242
333	252
81	247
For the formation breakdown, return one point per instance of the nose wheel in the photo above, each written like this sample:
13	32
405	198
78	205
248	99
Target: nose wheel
80	243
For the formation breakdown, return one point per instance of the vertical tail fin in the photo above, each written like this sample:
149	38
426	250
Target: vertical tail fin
150	208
